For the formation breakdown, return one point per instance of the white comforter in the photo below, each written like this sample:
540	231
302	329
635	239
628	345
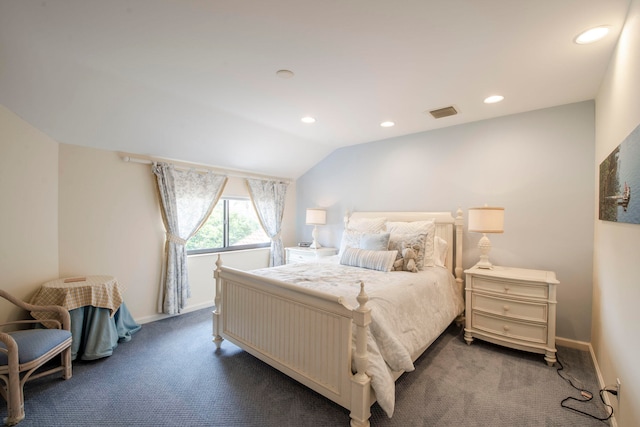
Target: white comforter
408	311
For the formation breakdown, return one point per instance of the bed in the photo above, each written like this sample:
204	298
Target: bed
335	326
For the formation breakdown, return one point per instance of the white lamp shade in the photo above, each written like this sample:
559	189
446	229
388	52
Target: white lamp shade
316	217
486	220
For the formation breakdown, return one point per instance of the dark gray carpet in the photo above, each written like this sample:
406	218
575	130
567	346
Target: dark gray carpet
170	375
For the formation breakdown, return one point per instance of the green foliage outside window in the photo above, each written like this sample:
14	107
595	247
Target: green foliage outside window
244	227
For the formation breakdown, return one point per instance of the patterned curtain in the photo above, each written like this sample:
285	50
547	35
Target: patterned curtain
268	199
187	199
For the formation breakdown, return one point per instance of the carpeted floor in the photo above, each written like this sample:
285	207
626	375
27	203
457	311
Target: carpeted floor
171	375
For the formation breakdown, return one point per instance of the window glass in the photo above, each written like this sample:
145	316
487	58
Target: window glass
244	226
233	224
211	234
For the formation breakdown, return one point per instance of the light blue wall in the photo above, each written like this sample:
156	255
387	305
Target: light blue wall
538	165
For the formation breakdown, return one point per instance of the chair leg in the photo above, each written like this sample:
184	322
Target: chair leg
15	400
66	362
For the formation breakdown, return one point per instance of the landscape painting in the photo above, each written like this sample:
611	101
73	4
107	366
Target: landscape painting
620	182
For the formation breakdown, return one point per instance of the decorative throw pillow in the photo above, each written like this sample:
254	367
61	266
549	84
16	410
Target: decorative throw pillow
406	261
398	242
427	227
373	260
374	241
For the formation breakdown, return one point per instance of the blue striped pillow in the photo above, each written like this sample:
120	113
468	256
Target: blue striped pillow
373	260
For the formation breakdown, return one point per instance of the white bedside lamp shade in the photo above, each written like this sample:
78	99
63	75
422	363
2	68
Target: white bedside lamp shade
485	220
316	217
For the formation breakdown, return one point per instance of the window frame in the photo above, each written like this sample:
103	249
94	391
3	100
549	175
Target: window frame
225	233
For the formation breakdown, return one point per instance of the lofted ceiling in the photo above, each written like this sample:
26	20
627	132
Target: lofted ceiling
195	80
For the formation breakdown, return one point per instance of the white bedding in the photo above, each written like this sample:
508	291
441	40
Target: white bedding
408	311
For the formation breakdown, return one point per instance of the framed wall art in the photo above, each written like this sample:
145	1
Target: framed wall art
620	182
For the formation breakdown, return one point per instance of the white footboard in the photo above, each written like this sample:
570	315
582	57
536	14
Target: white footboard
305	334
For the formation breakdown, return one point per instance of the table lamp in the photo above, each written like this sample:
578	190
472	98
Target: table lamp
486	220
316	217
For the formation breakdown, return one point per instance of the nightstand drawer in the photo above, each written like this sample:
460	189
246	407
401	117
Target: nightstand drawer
508	328
510	287
510	307
296	254
296	257
514	307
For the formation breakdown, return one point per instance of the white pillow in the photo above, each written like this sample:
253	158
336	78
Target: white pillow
366	225
440	250
427	227
356	227
412	227
351	239
373	260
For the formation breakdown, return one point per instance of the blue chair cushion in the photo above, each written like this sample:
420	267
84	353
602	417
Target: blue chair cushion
33	343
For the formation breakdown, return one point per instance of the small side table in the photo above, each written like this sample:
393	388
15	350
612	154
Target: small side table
296	254
71	293
99	316
513	307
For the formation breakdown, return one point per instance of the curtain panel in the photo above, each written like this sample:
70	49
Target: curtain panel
268	198
187	198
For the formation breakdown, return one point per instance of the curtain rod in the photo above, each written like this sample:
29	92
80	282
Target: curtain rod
147	160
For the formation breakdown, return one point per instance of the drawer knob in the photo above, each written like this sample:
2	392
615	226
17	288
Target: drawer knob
506	328
506	308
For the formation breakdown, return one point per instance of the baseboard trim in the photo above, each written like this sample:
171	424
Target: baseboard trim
160	316
607	396
578	345
586	346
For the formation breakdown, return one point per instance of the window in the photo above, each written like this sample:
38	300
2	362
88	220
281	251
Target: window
232	225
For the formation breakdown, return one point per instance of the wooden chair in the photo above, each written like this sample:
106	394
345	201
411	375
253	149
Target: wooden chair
23	352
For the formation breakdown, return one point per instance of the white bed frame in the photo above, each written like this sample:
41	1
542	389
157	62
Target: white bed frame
307	334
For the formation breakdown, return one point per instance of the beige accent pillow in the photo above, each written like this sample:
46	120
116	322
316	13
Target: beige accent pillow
399	241
427	227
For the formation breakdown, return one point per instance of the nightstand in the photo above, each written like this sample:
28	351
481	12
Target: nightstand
513	307
296	254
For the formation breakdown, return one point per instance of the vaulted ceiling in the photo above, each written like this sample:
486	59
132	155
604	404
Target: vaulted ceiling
195	80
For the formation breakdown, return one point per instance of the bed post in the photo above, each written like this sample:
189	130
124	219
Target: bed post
459	225
361	382
217	338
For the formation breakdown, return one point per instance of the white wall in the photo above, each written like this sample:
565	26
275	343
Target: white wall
616	293
538	165
29	209
110	223
79	211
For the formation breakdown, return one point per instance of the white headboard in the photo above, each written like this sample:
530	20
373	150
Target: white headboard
447	226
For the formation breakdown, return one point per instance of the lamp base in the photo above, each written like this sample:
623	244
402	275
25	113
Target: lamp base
484	264
314	234
485	247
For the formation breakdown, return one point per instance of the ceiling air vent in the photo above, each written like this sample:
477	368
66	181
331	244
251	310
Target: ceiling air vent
443	112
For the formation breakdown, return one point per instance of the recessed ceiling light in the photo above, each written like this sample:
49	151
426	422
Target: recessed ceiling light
592	35
493	99
308	119
285	74
387	124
